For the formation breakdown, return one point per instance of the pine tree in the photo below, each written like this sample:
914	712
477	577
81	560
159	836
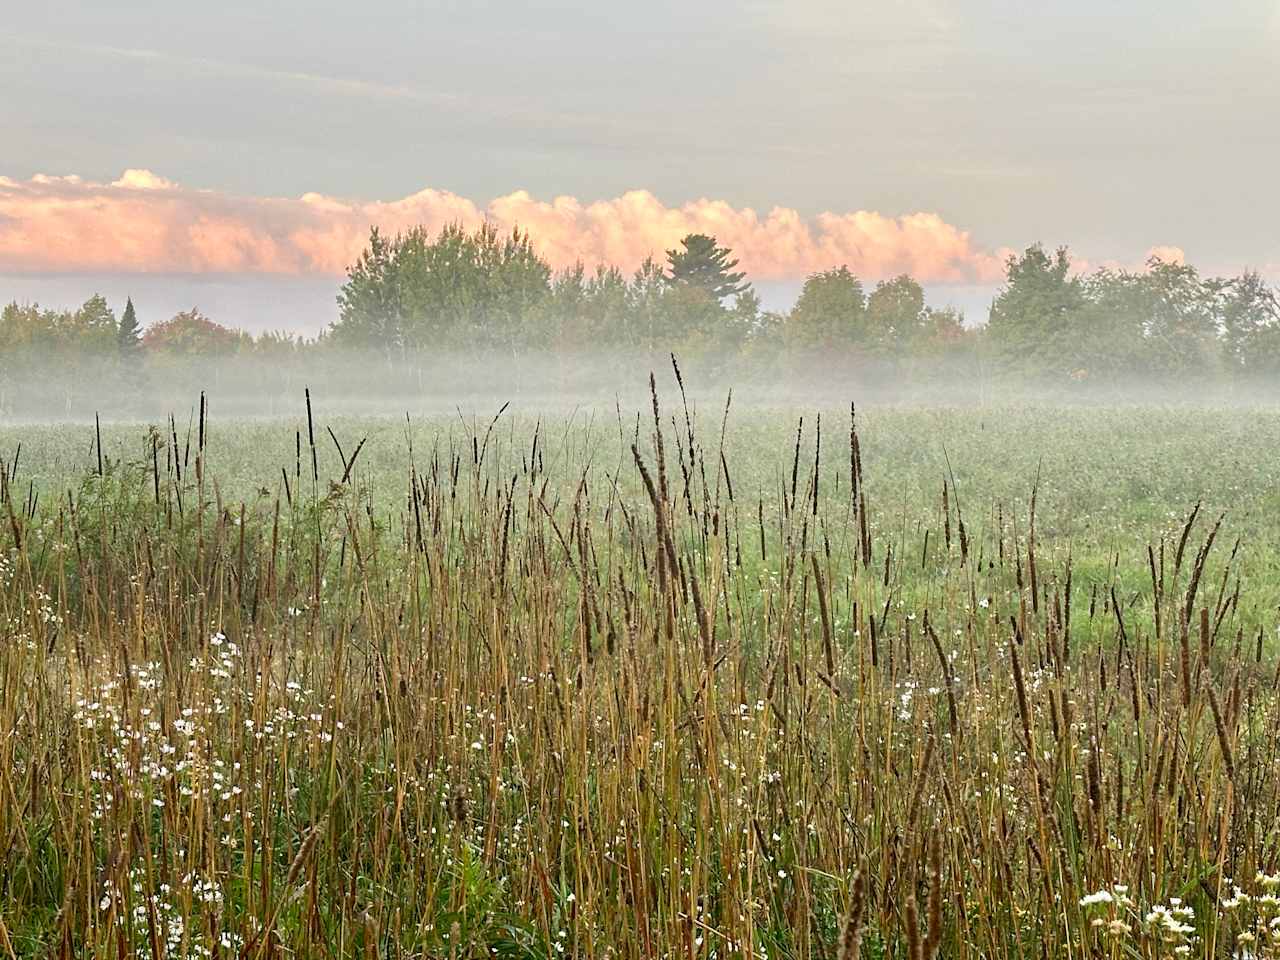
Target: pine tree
704	265
129	335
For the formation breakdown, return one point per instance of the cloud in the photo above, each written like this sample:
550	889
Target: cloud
144	223
143	180
1167	253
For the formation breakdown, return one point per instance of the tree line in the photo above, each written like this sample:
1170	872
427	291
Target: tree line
1047	321
483	292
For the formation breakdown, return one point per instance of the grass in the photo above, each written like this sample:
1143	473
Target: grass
959	682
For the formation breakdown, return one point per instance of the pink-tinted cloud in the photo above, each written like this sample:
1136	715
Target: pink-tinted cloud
143	222
1167	253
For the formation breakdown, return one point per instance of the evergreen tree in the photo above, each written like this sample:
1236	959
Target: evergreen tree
129	335
706	266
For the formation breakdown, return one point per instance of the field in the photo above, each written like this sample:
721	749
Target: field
647	681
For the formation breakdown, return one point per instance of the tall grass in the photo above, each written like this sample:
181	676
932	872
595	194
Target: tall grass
609	706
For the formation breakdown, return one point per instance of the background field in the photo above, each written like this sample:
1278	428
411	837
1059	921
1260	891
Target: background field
1111	477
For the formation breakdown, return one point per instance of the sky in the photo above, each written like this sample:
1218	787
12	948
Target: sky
233	156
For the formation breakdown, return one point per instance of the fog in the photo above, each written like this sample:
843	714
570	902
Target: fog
362	383
304	305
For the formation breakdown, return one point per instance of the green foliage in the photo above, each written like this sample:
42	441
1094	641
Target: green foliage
417	292
892	324
1179	326
585	309
76	346
696	321
701	264
27	332
95	319
942	327
831	311
648	319
1038	312
1250	317
896	315
1165	322
479	291
1110	340
129	333
369	307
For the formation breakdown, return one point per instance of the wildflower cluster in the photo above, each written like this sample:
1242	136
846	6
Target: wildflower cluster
1254	916
1164	930
180	921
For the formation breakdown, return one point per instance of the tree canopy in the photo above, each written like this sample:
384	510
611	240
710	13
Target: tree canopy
189	334
458	288
701	264
1035	314
830	311
129	332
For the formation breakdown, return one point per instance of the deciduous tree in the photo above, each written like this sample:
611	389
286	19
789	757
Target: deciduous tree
831	311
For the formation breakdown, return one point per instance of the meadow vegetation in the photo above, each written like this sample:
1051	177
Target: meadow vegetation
664	680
